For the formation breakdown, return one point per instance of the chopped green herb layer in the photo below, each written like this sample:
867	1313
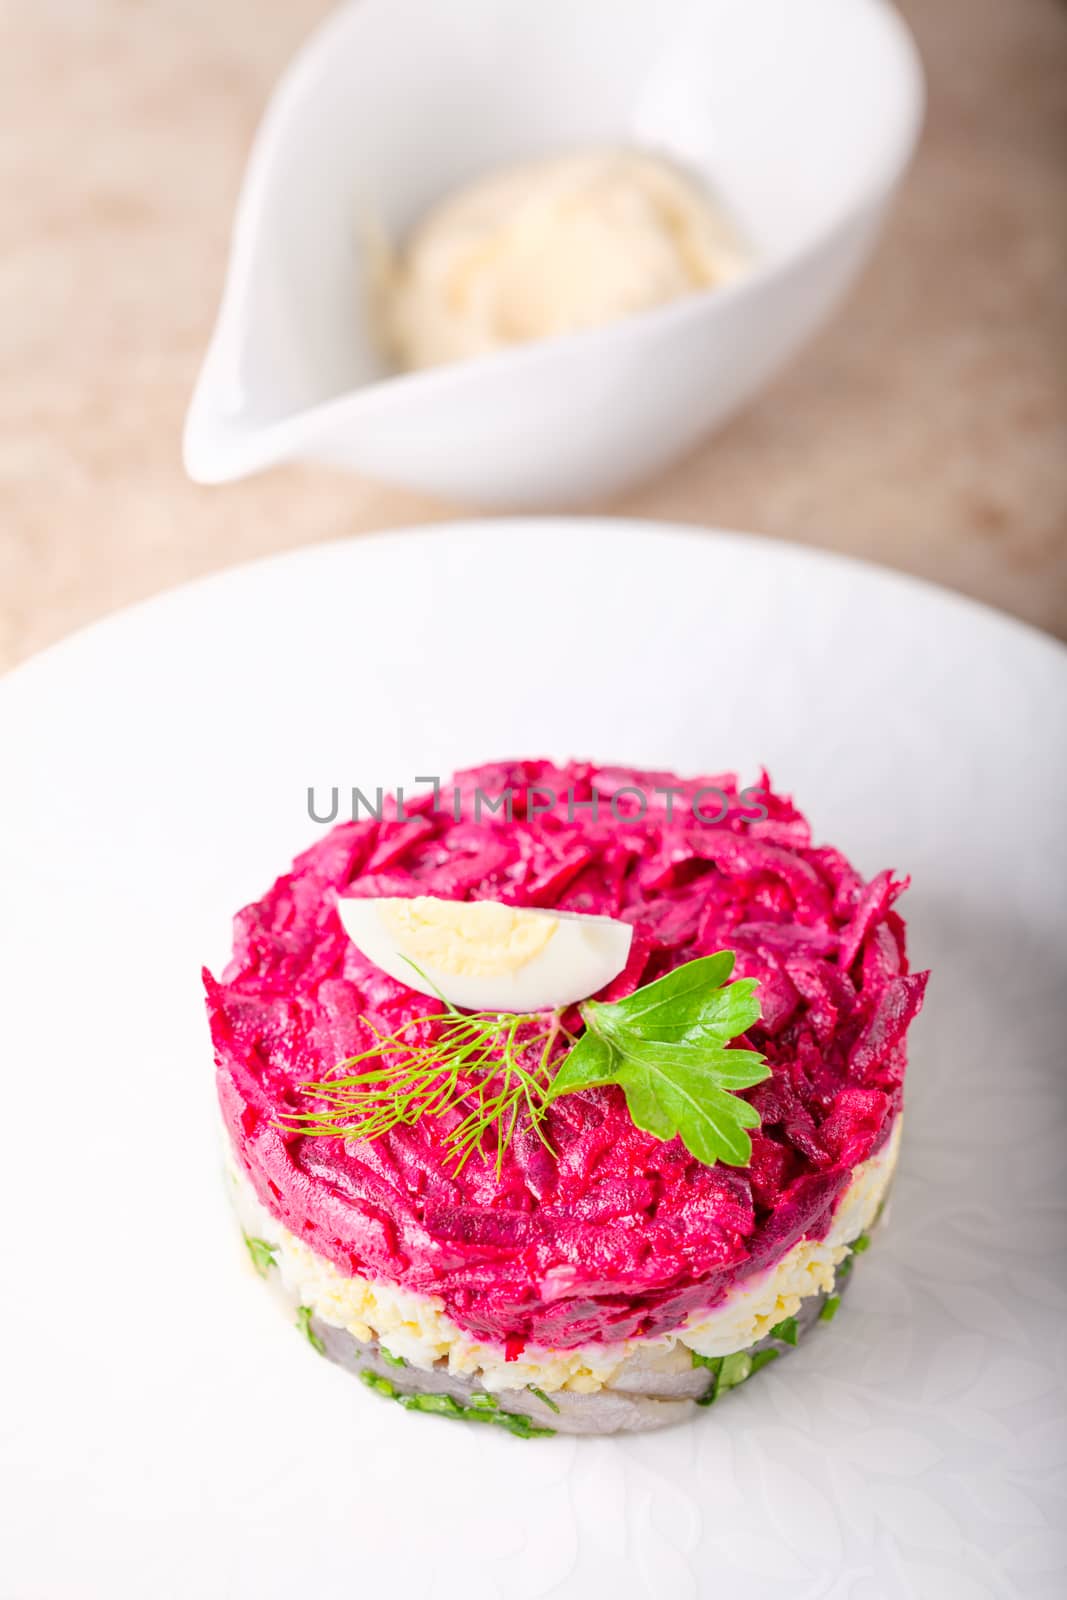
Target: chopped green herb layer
303	1322
482	1408
380	1385
261	1253
543	1397
387	1355
734	1370
484	1402
829	1309
786	1330
728	1371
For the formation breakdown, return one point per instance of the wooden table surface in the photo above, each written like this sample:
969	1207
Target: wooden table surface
925	429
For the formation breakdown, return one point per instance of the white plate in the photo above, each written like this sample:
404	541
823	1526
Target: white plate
165	1433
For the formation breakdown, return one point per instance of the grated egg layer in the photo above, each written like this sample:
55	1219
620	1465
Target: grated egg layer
415	1327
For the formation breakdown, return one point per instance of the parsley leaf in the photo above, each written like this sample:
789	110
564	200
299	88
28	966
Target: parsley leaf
690	996
665	1046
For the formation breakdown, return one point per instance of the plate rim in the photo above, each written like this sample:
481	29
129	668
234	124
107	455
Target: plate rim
979	612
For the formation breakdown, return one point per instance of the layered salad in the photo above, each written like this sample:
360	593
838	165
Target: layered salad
564	1098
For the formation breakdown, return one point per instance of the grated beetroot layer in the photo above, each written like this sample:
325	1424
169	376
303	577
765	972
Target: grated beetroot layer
624	1234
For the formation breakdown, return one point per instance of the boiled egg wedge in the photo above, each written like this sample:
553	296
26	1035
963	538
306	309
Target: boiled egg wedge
481	955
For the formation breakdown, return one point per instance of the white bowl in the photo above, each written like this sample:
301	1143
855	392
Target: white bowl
800	114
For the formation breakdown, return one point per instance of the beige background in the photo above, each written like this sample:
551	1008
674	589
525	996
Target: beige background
926	429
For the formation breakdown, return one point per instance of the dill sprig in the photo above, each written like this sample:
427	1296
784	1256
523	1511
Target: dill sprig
486	1067
665	1045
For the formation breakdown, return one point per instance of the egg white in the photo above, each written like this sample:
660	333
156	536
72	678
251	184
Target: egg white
482	955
